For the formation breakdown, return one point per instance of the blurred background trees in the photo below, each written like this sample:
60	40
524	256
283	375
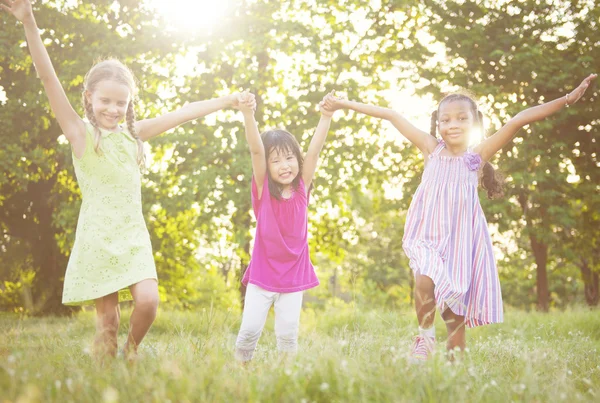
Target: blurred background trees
405	54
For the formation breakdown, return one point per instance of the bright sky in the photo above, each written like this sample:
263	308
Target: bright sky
191	15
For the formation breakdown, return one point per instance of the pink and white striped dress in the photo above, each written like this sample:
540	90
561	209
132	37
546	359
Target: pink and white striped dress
446	238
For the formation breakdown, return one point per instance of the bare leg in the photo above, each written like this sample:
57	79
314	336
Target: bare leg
145	297
108	316
455	324
424	301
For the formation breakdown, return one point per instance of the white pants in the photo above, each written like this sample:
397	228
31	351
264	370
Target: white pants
256	307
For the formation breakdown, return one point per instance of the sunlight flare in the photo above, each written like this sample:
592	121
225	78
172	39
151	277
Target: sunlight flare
186	15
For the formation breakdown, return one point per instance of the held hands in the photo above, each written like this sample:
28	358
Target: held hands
330	104
578	92
245	102
21	9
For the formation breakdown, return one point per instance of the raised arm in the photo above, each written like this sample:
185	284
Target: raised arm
423	140
494	143
149	128
247	105
69	121
316	143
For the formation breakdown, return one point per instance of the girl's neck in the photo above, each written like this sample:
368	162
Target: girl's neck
456	150
115	129
287	191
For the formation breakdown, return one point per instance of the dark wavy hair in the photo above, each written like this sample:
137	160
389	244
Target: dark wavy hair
283	142
491	180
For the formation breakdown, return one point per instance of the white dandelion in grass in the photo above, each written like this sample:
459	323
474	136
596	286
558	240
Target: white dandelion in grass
324	386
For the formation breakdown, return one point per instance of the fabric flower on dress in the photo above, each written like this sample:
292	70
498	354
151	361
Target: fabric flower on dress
473	160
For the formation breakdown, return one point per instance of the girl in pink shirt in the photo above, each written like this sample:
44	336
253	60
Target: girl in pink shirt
280	269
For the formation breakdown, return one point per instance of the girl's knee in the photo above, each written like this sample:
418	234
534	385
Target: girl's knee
424	290
147	302
287	341
424	283
246	342
287	334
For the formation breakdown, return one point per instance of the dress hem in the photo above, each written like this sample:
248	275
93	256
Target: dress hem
123	290
285	290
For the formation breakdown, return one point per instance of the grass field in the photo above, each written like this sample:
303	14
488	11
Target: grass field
345	355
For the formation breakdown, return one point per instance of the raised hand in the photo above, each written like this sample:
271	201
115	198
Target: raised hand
327	99
578	92
21	9
246	102
332	103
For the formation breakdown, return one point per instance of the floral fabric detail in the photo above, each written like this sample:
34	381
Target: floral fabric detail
473	160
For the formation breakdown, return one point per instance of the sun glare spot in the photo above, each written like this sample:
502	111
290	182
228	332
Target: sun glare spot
197	15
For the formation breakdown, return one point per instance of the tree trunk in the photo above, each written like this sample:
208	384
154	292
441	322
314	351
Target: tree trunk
540	252
47	286
591	283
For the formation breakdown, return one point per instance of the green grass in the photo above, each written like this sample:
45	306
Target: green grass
345	355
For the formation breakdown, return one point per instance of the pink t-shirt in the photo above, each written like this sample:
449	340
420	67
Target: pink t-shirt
280	259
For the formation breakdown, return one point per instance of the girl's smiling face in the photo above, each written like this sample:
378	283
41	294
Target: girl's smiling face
109	100
455	122
283	166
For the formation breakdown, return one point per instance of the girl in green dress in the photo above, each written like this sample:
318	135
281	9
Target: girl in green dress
112	254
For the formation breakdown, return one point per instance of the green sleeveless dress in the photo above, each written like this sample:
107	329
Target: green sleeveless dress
112	249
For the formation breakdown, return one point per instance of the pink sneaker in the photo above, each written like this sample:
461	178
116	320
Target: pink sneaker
422	348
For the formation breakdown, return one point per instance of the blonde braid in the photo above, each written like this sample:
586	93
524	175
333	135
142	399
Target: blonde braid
89	114
141	156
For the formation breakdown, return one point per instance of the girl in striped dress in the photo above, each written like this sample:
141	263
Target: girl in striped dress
446	236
